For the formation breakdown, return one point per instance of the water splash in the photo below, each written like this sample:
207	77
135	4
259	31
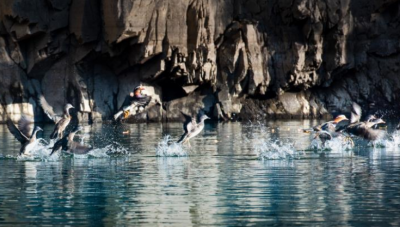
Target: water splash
269	149
167	148
337	144
258	135
390	143
41	151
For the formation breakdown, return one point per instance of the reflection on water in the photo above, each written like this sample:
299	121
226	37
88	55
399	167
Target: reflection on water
220	182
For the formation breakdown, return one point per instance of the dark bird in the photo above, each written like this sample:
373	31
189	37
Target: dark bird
134	99
68	144
24	133
61	121
329	130
363	129
329	124
192	128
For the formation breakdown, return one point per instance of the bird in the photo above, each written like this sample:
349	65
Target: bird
24	133
329	124
192	128
329	130
363	129
134	99
68	144
398	127
61	121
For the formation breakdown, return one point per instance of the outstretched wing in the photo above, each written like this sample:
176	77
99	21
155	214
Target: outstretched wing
355	113
25	125
48	110
16	132
190	122
341	125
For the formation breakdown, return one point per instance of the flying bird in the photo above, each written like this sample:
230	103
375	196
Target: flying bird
192	128
24	133
363	129
68	144
61	120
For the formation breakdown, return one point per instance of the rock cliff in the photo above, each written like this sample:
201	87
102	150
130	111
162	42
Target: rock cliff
233	59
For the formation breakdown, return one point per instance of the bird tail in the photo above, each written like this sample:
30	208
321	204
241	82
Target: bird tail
183	138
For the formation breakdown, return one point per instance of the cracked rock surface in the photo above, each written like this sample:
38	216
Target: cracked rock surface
231	59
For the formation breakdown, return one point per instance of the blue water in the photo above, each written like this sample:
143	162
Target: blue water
220	181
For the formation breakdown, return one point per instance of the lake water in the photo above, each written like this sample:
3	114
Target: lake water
220	180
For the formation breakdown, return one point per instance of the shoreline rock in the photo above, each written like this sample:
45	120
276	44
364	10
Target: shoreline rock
233	59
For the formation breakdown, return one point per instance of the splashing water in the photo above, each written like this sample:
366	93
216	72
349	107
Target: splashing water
267	148
41	151
166	148
337	144
391	143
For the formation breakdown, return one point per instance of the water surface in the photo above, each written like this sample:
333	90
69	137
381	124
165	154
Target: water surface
222	181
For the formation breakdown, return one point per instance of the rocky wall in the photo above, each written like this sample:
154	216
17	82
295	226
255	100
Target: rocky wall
232	59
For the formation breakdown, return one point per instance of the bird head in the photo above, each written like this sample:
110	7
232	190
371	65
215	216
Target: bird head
37	128
68	106
340	118
371	117
204	117
379	121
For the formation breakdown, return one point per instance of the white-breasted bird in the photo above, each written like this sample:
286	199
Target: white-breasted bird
61	120
24	133
192	129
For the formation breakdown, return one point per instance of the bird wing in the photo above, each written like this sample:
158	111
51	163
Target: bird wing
341	125
57	145
189	123
48	110
355	113
327	126
16	132
373	134
324	136
25	126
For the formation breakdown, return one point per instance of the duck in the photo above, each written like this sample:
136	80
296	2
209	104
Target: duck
364	129
329	130
134	99
61	121
24	134
326	125
192	129
68	144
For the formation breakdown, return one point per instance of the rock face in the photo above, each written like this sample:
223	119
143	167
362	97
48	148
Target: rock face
232	59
